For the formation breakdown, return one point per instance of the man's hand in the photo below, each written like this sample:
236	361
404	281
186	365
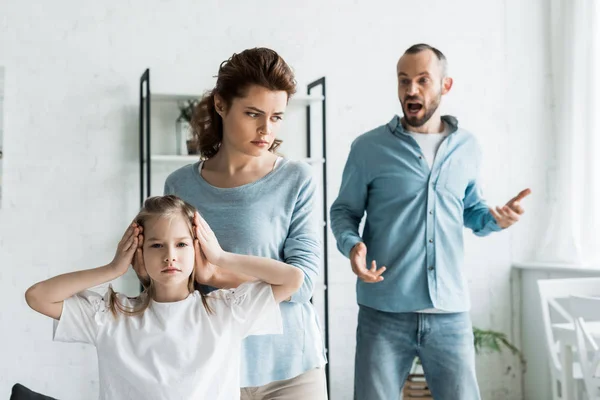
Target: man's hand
510	213
358	259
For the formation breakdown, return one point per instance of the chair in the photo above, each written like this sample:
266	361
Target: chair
20	392
550	291
585	310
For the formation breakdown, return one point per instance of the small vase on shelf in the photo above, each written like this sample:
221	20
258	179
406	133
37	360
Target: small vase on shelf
183	131
186	143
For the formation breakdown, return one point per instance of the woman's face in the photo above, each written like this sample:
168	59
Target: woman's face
251	123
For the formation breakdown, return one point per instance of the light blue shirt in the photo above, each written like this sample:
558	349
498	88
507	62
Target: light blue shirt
415	216
271	217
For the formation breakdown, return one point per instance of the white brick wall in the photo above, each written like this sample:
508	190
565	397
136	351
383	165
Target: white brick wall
70	138
1	124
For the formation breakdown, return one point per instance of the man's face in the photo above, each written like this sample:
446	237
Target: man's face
421	84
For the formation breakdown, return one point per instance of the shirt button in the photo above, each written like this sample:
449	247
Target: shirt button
431	268
430	240
431	212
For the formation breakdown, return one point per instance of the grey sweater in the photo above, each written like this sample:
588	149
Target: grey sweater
271	217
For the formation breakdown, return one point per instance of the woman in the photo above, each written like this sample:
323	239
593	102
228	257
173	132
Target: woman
259	203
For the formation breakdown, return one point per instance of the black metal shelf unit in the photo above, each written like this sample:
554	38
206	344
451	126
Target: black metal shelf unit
146	163
311	86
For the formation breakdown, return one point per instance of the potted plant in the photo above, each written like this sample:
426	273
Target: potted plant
486	341
186	143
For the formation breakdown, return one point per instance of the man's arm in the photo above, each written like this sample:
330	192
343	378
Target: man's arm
476	214
349	208
482	219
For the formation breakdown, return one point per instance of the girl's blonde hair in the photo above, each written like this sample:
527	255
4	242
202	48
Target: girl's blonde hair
168	206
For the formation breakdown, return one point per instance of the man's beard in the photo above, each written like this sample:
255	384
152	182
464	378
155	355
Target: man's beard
429	111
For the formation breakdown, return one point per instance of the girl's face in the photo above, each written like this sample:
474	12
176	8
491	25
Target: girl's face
168	249
251	123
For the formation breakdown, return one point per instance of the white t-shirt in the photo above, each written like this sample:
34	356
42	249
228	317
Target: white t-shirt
430	143
173	350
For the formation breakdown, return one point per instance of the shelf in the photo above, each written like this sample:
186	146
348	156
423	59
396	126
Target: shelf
175	158
557	267
193	158
168	102
298	99
305	100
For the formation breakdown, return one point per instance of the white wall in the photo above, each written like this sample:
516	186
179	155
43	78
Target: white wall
70	159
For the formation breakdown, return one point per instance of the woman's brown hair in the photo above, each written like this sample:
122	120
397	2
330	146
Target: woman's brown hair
258	66
157	207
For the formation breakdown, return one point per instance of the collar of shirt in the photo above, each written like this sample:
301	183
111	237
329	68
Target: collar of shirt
395	125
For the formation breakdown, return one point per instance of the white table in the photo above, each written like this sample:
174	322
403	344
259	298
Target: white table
565	335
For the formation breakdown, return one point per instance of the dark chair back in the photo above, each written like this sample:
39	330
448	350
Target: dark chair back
20	392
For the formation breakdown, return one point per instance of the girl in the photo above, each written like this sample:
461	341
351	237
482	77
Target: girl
261	204
171	342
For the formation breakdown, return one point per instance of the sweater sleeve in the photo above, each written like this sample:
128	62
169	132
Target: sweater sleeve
302	246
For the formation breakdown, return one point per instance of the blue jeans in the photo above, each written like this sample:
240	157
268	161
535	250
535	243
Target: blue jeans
387	343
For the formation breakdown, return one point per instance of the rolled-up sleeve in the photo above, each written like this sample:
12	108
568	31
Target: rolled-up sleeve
349	208
476	215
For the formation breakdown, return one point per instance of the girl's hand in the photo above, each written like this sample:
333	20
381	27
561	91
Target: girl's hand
126	250
204	272
208	241
138	259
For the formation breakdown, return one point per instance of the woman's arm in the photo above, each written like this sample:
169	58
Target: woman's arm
47	297
284	279
302	246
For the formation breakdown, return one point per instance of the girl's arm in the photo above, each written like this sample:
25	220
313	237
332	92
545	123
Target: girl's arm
47	297
284	279
226	279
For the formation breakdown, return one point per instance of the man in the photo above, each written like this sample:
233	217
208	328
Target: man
417	179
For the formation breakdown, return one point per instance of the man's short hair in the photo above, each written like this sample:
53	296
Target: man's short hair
417	48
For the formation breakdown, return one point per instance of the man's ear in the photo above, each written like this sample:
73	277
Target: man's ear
446	85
